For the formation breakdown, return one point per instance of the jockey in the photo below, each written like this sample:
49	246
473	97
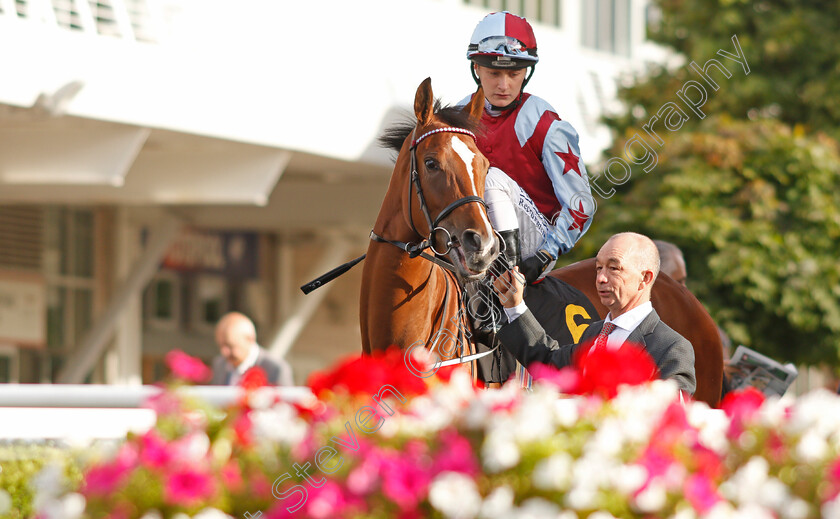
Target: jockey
537	190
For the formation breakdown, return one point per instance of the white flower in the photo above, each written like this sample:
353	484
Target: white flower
607	440
5	502
211	513
817	411
498	504
652	498
811	447
554	472
499	451
531	421
627	479
773	494
70	506
48	485
152	514
455	495
795	508
831	509
537	508
601	515
429	415
261	398
721	510
685	513
711	424
279	423
566	412
744	486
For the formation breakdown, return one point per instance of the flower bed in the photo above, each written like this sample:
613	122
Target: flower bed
379	442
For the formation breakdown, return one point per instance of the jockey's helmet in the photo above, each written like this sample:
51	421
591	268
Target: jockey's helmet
503	40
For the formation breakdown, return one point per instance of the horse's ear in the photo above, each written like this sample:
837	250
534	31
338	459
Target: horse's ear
424	102
476	105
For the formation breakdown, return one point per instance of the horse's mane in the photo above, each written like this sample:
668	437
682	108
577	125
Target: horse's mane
394	136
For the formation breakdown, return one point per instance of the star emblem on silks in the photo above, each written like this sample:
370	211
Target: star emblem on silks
570	159
579	217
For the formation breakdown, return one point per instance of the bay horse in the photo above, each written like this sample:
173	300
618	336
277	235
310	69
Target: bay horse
411	293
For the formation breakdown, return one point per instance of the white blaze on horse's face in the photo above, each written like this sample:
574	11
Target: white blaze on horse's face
467	156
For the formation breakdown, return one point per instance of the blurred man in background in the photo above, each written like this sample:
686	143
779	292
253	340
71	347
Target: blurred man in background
237	340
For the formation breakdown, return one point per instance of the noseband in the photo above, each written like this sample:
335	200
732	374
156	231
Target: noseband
416	249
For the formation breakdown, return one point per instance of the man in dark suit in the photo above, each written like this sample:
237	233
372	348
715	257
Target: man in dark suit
237	340
626	267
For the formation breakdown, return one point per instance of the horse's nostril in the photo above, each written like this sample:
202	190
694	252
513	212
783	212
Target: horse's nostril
471	240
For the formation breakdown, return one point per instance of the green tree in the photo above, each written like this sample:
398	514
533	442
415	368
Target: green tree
751	192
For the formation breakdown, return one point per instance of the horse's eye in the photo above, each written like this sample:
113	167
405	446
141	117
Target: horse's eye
432	164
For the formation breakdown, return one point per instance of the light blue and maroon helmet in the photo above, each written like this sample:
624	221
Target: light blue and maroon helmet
505	41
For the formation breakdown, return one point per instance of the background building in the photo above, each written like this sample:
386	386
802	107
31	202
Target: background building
165	161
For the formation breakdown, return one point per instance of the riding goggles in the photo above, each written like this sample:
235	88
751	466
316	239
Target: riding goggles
504	45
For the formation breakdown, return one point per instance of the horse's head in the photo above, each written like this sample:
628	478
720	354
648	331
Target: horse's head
450	173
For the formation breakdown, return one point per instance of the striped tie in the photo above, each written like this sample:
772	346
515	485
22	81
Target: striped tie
601	341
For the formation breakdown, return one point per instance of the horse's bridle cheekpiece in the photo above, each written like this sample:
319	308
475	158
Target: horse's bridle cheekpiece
416	249
413	249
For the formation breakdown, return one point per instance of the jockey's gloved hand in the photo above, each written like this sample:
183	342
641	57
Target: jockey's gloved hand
534	267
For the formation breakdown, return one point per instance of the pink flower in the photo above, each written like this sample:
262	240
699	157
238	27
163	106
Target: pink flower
105	478
243	427
404	483
567	379
188	487
163	404
455	455
330	501
701	493
231	476
155	451
187	368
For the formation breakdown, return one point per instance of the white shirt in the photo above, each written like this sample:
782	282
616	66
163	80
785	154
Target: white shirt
624	323
246	364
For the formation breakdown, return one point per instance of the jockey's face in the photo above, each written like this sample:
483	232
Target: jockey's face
621	282
501	86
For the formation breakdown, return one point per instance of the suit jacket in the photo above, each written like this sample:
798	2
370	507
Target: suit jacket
277	373
526	339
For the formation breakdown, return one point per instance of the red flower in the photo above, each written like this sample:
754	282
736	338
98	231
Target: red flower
187	368
366	374
253	378
602	370
740	406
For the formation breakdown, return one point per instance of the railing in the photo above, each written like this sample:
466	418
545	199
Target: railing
89	411
127	19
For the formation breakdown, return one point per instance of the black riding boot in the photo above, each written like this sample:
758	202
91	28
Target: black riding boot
512	249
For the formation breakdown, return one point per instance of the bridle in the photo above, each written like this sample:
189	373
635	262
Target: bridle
427	242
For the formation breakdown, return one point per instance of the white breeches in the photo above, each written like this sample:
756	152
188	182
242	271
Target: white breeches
510	207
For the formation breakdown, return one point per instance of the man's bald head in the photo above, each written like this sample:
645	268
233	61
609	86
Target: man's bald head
626	267
673	262
639	249
236	336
